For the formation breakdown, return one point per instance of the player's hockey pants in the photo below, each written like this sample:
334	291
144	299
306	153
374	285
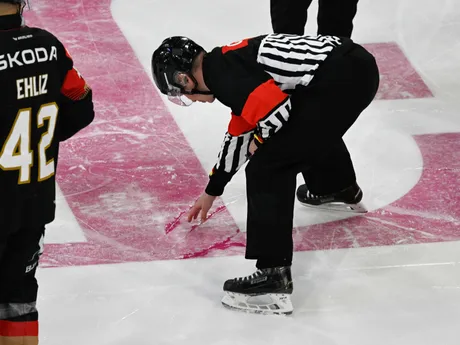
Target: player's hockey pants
335	17
19	255
321	114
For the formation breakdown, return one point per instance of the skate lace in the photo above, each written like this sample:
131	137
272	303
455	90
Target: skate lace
313	196
258	273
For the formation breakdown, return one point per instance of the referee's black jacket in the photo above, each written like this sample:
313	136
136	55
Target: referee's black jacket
255	78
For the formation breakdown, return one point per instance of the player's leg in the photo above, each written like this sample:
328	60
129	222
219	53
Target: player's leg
330	183
18	287
315	126
289	16
333	172
270	184
353	80
270	197
335	17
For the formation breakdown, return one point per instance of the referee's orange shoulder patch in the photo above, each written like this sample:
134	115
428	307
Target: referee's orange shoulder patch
235	46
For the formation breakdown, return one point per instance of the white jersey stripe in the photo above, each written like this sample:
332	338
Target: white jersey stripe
292	60
277	46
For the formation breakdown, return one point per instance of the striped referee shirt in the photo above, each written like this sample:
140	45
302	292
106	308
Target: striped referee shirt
255	77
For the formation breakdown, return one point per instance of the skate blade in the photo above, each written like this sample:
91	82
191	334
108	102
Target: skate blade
267	304
340	207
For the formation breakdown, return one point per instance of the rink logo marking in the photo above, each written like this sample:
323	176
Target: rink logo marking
420	216
398	78
129	175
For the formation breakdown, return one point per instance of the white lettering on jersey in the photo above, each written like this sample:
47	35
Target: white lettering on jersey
32	86
27	57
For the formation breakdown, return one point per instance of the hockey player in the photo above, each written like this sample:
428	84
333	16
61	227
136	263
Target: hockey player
292	99
335	17
43	101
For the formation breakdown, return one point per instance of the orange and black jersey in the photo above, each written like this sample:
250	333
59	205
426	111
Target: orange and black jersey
254	78
43	101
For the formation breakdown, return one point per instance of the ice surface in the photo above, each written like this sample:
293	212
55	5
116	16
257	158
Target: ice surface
114	272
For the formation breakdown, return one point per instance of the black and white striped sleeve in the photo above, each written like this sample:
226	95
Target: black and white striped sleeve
233	154
274	121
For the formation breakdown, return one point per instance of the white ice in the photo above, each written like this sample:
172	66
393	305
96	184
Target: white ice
395	295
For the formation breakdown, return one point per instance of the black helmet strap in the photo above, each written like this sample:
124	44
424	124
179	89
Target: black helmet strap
195	91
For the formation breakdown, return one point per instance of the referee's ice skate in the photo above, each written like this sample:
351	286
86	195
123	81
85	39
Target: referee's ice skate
267	291
348	199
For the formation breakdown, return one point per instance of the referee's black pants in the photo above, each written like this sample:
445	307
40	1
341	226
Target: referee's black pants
335	17
344	85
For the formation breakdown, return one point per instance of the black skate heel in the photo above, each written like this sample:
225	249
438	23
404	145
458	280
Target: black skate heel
348	199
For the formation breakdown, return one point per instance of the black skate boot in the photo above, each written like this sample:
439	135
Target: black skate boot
348	199
267	291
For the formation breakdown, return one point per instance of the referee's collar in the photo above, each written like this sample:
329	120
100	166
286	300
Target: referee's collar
11	22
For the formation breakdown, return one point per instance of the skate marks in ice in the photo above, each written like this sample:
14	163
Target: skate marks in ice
266	304
132	170
231	242
183	231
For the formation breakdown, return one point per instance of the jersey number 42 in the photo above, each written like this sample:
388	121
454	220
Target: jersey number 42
17	154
